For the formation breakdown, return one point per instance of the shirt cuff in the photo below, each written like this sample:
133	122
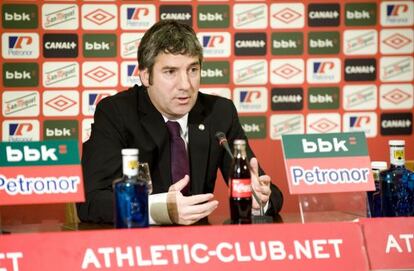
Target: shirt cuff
265	208
157	209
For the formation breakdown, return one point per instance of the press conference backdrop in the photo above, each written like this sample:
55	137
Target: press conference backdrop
289	67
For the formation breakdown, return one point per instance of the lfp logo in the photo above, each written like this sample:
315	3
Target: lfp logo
325	163
40	172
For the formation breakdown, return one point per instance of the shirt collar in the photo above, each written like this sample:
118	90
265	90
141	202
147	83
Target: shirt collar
183	121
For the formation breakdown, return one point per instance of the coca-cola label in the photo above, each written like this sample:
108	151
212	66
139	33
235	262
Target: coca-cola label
241	188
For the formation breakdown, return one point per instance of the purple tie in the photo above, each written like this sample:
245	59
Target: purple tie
179	159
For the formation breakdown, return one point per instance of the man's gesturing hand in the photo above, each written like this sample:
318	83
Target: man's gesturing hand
260	184
188	210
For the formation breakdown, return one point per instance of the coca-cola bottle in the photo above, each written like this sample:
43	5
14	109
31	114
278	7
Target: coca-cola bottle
240	186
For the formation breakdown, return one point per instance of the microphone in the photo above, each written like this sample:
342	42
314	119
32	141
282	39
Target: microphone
222	140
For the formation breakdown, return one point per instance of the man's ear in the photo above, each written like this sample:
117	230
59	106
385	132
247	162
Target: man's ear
144	76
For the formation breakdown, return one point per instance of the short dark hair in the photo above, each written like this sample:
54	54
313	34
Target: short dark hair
169	37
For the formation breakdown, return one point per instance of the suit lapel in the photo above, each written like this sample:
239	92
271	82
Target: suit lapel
153	123
198	147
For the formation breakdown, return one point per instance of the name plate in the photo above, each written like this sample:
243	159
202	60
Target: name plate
327	163
390	242
329	246
40	172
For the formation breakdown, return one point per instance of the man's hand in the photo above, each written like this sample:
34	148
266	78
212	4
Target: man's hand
260	184
188	210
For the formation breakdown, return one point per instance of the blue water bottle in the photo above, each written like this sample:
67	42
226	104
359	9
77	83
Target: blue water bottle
130	194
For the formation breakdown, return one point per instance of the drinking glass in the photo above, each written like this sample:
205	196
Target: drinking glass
145	175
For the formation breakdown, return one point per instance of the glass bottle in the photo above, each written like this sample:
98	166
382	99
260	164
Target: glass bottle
240	186
130	194
397	184
374	197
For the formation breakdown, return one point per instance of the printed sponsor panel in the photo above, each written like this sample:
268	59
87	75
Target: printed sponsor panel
360	97
360	69
287	15
21	130
323	98
60	16
61	103
60	74
317	123
21	74
250	16
60	129
137	17
250	44
287	43
323	43
100	74
129	44
252	99
397	123
287	99
287	71
215	72
322	15
19	16
250	72
20	45
22	103
284	124
222	92
99	45
360	14
57	45
396	69
130	74
213	16
397	41
91	98
397	13
99	17
361	122
396	96
360	42
181	13
254	126
215	44
323	70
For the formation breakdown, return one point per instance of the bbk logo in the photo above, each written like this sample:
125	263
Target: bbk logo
20	130
60	45
287	99
19	16
222	92
323	43
21	46
91	98
250	99
28	154
360	42
287	15
60	74
397	41
284	124
323	70
396	96
99	17
130	74
215	44
215	72
360	14
20	74
323	14
129	44
250	72
137	17
397	13
361	122
99	45
100	74
254	127
60	129
397	123
287	71
250	44
213	16
250	16
61	103
360	97
287	43
323	123
182	13
395	69
360	69
20	103
60	17
323	98
336	145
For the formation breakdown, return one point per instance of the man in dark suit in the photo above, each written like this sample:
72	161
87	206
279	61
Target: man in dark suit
169	58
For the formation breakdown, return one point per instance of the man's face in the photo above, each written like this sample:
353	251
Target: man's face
175	84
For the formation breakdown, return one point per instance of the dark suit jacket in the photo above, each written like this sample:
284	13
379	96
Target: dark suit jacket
129	120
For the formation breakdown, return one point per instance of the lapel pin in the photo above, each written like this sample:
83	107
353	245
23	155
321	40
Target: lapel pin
201	127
